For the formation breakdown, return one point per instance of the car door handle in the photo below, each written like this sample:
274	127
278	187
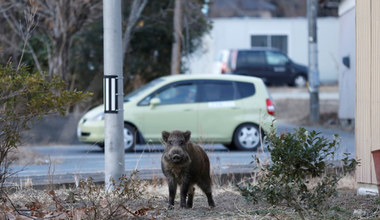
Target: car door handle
187	110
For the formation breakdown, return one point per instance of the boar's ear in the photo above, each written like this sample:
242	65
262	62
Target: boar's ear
187	135
165	136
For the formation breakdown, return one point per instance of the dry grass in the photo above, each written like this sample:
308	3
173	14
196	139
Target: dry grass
83	202
152	204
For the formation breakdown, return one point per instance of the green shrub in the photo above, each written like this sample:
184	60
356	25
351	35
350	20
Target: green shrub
24	97
303	172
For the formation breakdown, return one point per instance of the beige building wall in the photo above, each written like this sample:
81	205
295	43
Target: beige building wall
367	123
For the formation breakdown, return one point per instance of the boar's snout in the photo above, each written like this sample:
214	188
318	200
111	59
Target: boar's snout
176	158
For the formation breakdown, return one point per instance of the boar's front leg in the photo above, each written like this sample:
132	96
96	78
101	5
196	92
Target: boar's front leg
190	197
172	191
184	190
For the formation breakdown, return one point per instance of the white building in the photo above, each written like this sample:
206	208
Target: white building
347	60
289	34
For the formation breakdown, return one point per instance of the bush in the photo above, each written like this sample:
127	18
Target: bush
25	97
298	158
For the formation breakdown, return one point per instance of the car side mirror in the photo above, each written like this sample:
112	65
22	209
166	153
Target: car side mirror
154	101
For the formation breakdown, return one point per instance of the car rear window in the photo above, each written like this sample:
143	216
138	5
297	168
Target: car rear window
245	89
214	91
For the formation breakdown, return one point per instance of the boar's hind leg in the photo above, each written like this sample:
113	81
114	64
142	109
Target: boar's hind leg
172	191
206	188
190	197
210	200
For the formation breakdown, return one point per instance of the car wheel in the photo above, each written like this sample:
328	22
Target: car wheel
299	81
247	137
129	137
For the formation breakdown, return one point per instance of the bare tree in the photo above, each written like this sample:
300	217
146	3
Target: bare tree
134	14
20	32
59	20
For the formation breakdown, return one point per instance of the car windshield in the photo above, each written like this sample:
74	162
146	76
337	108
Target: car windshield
137	92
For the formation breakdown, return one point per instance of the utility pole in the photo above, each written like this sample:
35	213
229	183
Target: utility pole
177	36
113	93
312	13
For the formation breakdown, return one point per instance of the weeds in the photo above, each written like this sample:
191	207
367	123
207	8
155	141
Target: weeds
303	173
128	199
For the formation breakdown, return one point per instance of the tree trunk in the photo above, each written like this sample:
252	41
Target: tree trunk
59	62
135	13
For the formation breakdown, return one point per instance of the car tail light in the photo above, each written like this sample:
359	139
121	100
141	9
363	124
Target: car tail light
270	107
224	67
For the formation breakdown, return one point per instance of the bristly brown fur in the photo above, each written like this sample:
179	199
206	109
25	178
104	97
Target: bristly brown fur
186	164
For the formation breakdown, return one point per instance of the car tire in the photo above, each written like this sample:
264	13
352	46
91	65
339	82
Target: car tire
247	137
299	81
129	137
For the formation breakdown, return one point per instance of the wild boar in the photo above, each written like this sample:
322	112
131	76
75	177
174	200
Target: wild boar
186	164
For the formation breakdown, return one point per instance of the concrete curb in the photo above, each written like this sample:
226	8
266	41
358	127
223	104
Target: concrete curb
231	174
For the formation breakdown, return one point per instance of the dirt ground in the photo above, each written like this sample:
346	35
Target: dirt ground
152	204
231	205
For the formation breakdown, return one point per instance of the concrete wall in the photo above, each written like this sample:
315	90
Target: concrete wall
347	49
229	33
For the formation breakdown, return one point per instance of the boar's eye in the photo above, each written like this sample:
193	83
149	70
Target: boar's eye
170	142
181	142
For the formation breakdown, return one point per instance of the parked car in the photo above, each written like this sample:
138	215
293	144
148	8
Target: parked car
271	65
220	64
228	109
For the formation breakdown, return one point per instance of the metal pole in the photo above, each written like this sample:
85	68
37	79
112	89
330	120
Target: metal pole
312	13
113	93
176	48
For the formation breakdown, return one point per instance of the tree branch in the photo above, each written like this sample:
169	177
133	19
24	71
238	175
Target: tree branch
135	13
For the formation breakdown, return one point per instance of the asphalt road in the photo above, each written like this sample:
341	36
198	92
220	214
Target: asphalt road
88	160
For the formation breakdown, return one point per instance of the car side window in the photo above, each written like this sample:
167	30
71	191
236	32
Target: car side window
245	89
249	58
214	91
175	94
275	58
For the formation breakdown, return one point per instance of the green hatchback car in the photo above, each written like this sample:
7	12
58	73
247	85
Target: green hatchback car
229	109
